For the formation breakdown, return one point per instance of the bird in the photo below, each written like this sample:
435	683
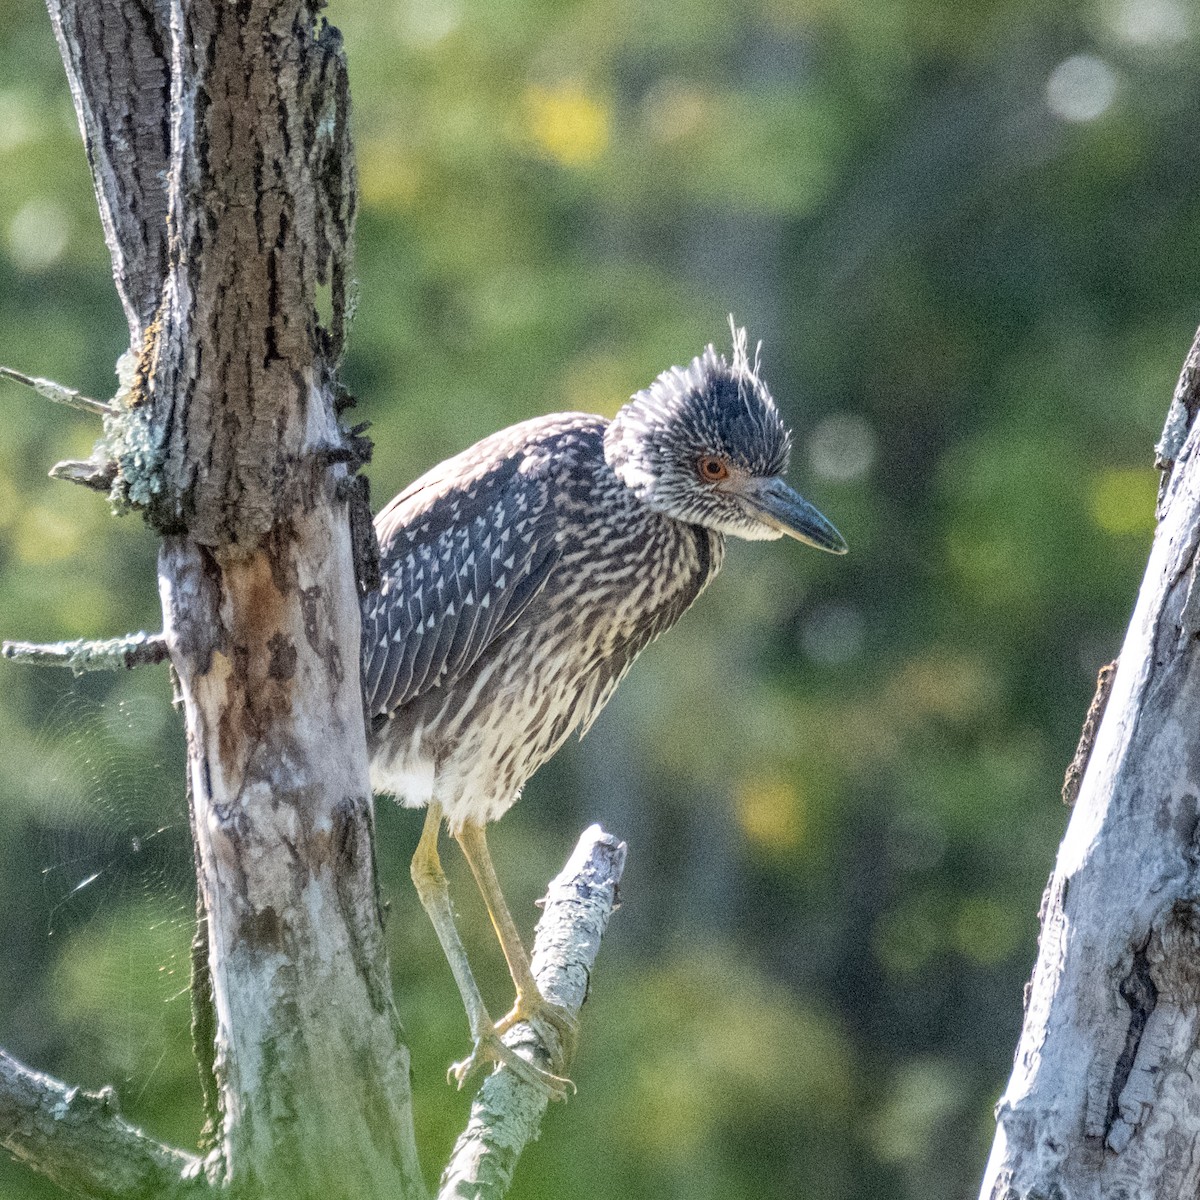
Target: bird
519	581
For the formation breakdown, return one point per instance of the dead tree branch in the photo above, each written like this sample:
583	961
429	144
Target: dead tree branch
218	137
77	1139
507	1113
82	655
56	392
1104	1097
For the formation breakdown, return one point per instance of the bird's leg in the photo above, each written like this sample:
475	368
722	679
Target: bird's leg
431	887
530	1003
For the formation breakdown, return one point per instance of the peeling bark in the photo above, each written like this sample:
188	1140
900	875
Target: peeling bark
218	139
312	1072
1104	1098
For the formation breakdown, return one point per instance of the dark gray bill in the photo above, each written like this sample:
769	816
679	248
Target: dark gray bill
785	509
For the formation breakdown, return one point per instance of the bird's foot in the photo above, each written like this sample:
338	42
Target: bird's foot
489	1048
535	1008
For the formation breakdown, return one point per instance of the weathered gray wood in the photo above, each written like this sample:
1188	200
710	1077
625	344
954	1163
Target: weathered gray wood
1104	1098
118	55
226	126
507	1112
82	655
80	1141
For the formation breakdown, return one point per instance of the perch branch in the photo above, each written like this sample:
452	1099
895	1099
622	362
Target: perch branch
507	1112
59	394
78	1140
113	654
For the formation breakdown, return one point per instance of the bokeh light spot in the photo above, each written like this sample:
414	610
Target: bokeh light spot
985	930
16	125
428	22
567	124
1122	500
1151	22
1081	88
38	234
922	1095
842	448
953	688
906	939
673	110
387	178
44	536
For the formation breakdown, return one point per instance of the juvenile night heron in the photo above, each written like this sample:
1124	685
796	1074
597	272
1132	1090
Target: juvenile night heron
521	579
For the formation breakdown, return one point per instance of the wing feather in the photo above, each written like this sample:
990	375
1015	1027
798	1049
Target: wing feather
464	551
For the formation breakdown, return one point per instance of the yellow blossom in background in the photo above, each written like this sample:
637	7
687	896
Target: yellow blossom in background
567	124
1121	499
770	812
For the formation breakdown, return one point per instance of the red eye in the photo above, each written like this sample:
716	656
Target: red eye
712	469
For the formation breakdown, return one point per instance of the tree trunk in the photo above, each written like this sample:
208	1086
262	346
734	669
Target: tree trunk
228	440
218	138
1104	1098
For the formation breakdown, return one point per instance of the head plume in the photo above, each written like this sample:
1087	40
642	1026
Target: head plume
714	406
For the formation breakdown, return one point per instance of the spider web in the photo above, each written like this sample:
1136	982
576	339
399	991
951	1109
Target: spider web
117	893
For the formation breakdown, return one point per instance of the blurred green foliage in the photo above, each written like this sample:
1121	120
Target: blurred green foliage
967	235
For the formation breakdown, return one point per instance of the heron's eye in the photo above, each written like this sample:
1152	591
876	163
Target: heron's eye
712	469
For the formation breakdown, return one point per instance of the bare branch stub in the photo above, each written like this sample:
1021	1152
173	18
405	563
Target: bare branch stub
95	473
57	393
1087	738
83	655
80	1141
1181	416
507	1112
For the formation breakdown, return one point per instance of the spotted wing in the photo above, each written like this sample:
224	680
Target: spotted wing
464	551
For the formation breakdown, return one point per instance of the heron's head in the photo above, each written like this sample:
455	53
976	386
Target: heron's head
706	445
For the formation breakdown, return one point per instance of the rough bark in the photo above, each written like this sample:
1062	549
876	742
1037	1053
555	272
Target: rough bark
1104	1098
118	57
218	138
232	425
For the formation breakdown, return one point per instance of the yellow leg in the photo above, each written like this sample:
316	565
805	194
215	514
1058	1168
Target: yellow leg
530	1004
431	887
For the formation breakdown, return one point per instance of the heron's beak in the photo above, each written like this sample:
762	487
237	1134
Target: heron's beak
782	508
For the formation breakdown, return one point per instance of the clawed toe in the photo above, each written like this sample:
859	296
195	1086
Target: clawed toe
489	1048
537	1009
